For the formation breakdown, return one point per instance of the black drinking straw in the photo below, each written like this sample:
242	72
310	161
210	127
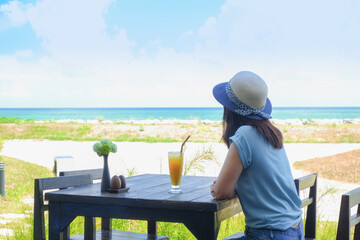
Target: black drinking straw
182	145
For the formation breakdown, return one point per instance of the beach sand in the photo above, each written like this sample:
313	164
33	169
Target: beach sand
152	158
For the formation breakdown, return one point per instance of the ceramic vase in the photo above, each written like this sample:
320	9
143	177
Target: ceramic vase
105	180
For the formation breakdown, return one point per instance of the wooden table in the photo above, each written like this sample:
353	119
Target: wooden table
147	199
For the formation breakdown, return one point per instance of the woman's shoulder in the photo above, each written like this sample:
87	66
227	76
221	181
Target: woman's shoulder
246	129
247	132
244	132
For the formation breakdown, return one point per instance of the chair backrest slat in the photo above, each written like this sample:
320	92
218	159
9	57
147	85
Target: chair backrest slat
346	220
306	181
306	202
303	183
354	197
51	183
64	182
95	173
355	219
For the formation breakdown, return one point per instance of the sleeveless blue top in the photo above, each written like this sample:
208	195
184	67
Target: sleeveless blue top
266	187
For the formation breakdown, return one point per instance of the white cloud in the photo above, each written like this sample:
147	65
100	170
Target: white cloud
303	57
76	30
24	53
285	28
306	54
14	10
14	91
209	30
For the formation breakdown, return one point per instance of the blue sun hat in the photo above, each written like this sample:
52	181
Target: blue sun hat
245	94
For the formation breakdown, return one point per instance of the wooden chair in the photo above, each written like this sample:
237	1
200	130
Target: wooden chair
106	223
56	183
52	183
95	173
306	182
346	220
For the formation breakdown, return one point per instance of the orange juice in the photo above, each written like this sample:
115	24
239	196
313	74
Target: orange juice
176	161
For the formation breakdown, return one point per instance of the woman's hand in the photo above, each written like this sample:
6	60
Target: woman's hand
212	186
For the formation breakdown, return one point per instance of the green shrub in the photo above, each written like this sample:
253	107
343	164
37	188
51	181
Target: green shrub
14	120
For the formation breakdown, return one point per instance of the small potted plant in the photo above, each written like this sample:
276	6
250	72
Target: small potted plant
103	149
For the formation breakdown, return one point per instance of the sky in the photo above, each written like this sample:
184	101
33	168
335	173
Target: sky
167	53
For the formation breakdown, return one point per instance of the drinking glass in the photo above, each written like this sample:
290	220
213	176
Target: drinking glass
176	162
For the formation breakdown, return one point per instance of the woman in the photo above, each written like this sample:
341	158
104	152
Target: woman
256	167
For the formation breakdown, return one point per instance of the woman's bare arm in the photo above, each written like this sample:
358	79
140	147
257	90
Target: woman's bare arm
224	186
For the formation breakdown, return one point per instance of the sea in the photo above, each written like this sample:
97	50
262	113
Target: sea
206	113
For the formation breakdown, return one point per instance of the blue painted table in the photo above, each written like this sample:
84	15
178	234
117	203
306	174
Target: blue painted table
147	199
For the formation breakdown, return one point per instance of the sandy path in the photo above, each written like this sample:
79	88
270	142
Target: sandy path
152	158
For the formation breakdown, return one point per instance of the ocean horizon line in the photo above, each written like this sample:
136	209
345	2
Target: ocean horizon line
181	113
354	107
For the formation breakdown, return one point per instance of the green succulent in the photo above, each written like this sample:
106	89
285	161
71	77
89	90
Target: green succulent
104	147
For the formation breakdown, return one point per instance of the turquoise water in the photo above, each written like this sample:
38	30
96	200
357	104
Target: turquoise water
214	114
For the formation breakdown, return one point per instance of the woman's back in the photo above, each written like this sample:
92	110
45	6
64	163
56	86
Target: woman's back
265	188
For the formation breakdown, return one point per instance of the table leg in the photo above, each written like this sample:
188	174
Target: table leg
204	226
106	227
54	221
152	228
90	228
65	235
106	223
57	220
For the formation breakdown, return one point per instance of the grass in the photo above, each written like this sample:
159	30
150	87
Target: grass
14	120
346	133
175	231
199	161
50	131
344	167
27	129
76	132
149	139
19	185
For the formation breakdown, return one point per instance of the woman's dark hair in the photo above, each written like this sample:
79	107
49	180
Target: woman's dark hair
232	121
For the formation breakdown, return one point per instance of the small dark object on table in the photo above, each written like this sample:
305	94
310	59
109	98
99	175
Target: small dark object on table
119	190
